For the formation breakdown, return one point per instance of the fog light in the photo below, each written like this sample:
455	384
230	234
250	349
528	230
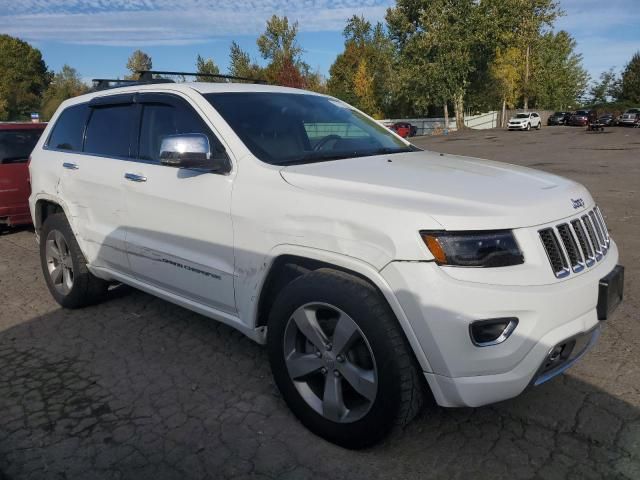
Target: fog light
493	331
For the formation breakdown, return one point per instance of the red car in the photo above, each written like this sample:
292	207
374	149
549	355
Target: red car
580	118
16	143
404	129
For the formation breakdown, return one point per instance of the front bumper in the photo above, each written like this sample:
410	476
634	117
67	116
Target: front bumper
440	309
517	126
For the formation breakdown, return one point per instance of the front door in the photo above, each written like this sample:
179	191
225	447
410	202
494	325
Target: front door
179	231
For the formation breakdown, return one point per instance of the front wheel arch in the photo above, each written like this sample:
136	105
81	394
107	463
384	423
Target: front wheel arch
300	260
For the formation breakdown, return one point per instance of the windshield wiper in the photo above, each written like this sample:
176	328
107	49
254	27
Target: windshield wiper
320	156
312	157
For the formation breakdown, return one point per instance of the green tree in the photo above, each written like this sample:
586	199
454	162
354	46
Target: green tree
435	41
631	80
23	78
600	92
138	61
559	80
206	67
368	52
279	46
65	84
241	65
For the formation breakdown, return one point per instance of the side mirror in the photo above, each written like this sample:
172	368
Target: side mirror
189	150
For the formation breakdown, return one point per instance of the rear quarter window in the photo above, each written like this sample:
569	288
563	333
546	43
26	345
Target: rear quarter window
68	130
16	145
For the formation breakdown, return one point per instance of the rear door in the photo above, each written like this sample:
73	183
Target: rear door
16	145
179	234
92	181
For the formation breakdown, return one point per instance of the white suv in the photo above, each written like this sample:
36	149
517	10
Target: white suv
525	121
371	269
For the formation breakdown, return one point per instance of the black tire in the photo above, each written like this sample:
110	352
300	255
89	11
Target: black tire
539	126
528	127
86	288
400	389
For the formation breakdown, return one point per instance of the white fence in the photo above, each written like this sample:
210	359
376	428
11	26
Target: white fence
436	126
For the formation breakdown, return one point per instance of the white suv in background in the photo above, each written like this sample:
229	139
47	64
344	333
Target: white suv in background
525	121
373	271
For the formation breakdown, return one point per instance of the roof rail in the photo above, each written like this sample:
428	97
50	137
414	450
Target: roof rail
148	75
108	83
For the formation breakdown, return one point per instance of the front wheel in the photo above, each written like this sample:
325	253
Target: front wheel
528	127
340	359
64	266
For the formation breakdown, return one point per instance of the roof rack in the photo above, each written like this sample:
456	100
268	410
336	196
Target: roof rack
107	83
148	76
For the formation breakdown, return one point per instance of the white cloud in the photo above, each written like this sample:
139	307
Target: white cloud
164	22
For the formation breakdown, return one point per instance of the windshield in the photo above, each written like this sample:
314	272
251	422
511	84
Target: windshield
291	128
582	112
16	145
522	115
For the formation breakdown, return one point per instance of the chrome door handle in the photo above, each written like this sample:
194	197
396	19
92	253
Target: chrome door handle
134	177
70	166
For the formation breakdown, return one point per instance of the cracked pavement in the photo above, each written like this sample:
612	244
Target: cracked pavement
138	388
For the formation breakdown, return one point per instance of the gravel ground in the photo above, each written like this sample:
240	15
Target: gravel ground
137	388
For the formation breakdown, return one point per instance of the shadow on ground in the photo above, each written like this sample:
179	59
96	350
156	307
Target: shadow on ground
139	388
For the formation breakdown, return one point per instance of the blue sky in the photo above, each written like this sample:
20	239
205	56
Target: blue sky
97	36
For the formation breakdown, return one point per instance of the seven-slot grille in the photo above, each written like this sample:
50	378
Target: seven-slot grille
576	245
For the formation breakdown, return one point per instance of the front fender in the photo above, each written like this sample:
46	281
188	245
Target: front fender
248	293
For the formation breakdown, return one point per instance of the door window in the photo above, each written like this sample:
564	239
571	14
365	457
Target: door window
110	130
160	120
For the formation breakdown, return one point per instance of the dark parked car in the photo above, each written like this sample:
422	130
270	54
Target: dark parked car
606	119
559	118
16	143
580	118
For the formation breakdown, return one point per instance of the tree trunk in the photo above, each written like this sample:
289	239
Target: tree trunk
504	112
446	117
459	108
526	80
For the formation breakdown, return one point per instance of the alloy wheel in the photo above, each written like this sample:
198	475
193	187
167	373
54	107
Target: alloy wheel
59	262
330	362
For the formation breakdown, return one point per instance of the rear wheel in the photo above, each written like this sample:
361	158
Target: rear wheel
64	266
340	359
539	126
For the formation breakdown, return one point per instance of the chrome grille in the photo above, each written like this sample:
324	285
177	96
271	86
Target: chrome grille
576	245
571	247
585	245
554	252
593	237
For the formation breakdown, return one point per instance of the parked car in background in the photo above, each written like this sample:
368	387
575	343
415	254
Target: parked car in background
404	129
580	118
525	121
559	118
631	117
606	119
16	143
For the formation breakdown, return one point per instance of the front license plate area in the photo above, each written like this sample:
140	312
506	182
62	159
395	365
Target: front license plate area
610	292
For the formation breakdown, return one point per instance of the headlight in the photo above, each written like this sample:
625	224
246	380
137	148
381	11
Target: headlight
496	248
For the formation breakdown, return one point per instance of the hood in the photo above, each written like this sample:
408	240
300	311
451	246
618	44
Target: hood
459	193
